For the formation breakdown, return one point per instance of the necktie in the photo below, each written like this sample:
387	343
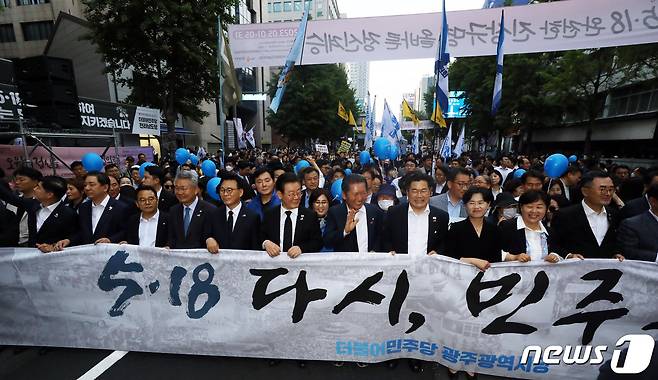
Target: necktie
287	232
187	219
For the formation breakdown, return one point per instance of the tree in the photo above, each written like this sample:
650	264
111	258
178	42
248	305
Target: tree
310	104
169	45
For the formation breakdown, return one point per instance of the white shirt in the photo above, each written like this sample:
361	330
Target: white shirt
418	226
282	224
504	172
598	222
566	189
533	240
148	230
439	188
236	212
362	229
97	211
44	213
396	184
192	206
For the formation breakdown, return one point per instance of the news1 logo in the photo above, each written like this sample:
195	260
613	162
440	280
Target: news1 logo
638	356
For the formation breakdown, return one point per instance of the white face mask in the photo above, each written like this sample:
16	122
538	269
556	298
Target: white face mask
384	204
509	213
229	168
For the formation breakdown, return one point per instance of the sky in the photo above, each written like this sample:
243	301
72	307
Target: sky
406	73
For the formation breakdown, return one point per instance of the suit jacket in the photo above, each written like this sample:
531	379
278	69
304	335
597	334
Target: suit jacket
396	230
574	235
308	236
111	224
198	231
58	226
463	241
443	190
441	202
161	234
166	201
246	233
336	218
8	228
513	240
637	237
633	208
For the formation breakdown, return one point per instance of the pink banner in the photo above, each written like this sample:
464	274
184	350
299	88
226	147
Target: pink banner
12	156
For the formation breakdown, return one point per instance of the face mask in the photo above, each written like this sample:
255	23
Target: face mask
229	168
509	213
385	204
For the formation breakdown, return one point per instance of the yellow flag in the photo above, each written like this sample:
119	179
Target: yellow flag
341	112
352	122
408	112
363	125
438	117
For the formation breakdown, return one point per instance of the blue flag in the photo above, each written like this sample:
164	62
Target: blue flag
294	54
441	65
446	148
500	54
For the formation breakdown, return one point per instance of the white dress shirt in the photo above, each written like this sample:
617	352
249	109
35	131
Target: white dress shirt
439	188
418	226
533	238
44	213
236	212
567	194
148	230
282	224
598	222
97	211
362	229
396	184
192	206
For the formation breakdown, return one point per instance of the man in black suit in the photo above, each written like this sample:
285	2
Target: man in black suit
48	218
639	205
154	176
115	192
234	226
570	181
586	229
189	220
26	180
638	236
289	228
102	219
416	227
311	180
149	228
354	226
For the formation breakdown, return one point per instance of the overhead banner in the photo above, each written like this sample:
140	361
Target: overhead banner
329	306
553	26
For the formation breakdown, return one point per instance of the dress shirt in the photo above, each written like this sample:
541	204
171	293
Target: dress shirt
148	230
504	172
44	212
396	184
282	224
567	194
439	188
361	229
536	241
97	211
598	222
418	225
236	212
454	210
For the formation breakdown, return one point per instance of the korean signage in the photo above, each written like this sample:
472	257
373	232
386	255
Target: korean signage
456	105
336	306
552	26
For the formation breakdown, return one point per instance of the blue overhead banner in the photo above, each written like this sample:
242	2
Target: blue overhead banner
456	105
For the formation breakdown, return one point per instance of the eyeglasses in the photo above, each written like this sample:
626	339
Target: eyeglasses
147	200
463	185
294	194
227	190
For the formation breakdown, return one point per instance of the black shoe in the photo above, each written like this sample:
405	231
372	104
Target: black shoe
274	362
415	365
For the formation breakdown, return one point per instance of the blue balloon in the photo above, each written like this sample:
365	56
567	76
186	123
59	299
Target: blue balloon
194	159
182	155
394	152
211	188
556	165
573	158
348	172
208	168
381	148
364	157
142	167
518	173
337	190
92	162
301	165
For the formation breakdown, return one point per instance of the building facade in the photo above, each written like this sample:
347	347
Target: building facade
358	76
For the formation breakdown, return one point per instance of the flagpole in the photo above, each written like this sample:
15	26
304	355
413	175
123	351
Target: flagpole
220	100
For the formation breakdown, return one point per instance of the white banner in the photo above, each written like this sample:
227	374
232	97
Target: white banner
239	130
324	306
553	26
146	121
322	148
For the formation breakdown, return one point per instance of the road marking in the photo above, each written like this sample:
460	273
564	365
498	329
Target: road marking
103	365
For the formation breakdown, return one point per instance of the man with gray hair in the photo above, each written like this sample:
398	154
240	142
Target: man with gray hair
190	220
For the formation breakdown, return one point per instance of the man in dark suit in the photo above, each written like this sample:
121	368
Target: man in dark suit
311	180
586	229
354	226
290	228
26	180
638	236
639	205
154	176
150	227
189	220
49	219
570	181
115	192
234	226
416	227
102	219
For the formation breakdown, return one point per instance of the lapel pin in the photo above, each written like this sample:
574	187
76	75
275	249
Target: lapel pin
110	208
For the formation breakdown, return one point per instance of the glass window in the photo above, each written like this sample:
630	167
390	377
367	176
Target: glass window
653	105
34	31
287	6
643	106
269	7
7	33
320	5
319	14
276	6
298	5
31	2
632	104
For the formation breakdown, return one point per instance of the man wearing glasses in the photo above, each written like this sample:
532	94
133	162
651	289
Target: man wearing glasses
154	176
234	226
148	228
190	220
459	180
585	230
289	228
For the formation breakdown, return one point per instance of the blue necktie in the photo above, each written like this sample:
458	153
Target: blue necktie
186	220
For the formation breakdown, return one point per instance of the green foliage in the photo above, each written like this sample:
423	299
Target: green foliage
310	104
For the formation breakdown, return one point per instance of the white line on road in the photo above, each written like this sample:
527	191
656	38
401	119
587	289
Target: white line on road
103	365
